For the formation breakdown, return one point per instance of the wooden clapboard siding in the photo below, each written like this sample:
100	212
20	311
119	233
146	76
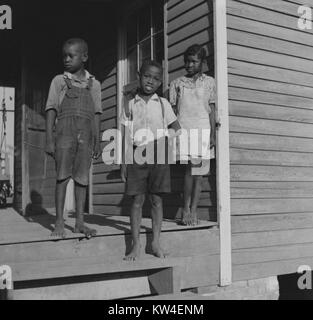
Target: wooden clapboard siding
190	22
104	192
270	71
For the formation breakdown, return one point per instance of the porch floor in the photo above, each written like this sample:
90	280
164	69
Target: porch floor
15	228
44	267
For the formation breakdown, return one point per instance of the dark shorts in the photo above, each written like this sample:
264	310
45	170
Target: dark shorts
148	178
73	152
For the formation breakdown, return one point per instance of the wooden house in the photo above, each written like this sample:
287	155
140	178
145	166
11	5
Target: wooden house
256	204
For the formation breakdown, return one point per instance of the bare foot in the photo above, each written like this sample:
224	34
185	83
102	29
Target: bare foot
158	251
194	218
134	253
81	228
187	219
59	229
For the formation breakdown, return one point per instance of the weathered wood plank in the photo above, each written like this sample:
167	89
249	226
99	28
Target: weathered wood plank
266	111
248	95
176	185
270	142
276	253
108	103
112	248
272	222
276	6
271	238
189	30
108	82
269	58
189	16
262	193
206	199
269	44
268	29
108	124
271	127
109	113
267	269
266	85
256	13
182	7
170	212
270	173
270	73
108	92
86	288
270	158
266	206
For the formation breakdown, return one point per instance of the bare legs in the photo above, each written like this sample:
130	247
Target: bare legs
60	192
80	197
135	222
192	192
157	217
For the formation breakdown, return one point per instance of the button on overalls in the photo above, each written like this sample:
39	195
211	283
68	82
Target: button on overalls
75	130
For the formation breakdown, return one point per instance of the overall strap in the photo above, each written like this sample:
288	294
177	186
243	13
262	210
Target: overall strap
163	111
68	83
89	85
127	109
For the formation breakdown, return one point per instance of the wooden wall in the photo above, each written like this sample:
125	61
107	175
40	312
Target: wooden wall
271	129
107	186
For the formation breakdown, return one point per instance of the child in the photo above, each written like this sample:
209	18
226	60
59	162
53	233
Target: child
147	112
74	105
193	97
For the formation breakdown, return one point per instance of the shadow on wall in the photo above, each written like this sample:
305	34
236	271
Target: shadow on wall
35	206
289	289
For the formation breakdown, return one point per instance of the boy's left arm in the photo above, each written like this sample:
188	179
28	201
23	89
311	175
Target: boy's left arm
97	149
98	111
173	124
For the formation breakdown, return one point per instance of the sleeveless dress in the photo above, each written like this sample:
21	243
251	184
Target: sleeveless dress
193	98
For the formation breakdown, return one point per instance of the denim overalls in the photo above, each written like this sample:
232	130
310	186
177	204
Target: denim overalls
75	131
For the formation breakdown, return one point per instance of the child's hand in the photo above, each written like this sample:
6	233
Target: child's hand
124	172
50	148
96	150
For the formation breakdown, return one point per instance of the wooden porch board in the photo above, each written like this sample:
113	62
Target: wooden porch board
111	247
15	228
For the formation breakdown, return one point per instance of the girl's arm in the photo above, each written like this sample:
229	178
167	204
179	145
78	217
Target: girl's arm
123	156
213	125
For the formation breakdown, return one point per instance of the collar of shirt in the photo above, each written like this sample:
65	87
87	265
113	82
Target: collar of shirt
155	97
71	76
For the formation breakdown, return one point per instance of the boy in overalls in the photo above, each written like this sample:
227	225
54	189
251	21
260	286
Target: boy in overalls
74	107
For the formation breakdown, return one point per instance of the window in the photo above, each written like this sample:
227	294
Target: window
145	37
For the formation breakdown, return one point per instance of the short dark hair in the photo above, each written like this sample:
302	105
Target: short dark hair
195	49
79	41
150	63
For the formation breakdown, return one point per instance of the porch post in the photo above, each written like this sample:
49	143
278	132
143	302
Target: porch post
223	161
